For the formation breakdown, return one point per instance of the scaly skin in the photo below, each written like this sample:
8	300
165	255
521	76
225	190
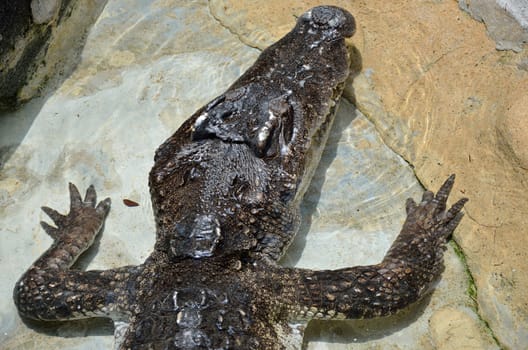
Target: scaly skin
226	189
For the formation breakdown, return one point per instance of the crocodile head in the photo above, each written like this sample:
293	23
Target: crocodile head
230	179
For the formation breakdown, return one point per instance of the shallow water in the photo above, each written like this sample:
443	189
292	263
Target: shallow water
145	68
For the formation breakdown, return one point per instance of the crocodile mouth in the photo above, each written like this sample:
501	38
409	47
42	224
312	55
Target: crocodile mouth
317	143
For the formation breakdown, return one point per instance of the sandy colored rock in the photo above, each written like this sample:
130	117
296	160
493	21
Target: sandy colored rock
456	328
513	131
443	98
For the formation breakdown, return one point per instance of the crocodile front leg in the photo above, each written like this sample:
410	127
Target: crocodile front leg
407	272
49	290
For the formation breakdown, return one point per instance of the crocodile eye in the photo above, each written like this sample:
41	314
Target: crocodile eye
273	137
265	134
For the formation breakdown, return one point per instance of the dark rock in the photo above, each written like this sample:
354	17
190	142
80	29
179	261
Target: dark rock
31	62
22	42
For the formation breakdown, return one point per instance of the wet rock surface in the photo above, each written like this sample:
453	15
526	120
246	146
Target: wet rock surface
434	97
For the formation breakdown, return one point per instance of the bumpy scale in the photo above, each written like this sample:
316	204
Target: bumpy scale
226	189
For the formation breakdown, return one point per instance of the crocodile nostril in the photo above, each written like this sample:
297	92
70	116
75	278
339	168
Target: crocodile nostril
323	15
332	17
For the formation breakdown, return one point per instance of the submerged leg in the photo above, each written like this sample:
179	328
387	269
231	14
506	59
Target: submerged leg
49	290
406	273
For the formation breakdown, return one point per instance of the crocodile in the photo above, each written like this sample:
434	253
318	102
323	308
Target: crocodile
226	189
